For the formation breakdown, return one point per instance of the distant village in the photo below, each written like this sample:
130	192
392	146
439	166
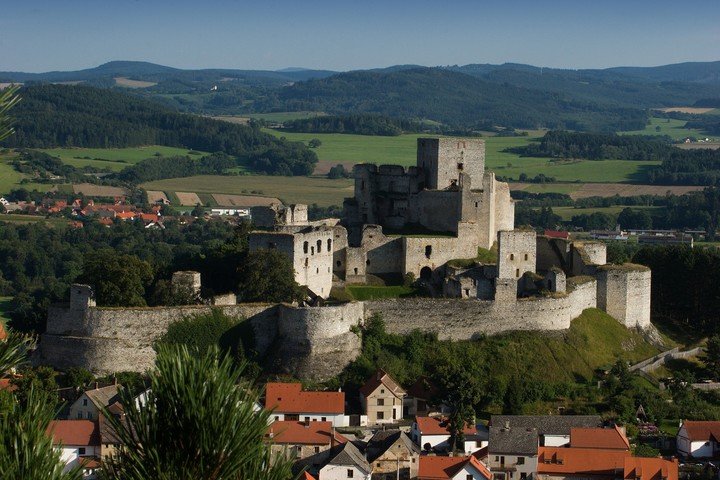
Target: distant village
403	433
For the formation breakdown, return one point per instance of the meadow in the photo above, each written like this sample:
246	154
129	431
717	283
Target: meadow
308	190
566	213
668	126
115	159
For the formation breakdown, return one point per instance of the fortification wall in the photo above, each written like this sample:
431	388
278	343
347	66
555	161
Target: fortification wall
624	293
467	319
317	343
516	253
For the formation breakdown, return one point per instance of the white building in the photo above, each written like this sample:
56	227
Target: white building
431	433
79	444
699	439
345	462
88	405
288	402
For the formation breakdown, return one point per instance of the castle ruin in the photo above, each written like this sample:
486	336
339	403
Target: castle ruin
428	221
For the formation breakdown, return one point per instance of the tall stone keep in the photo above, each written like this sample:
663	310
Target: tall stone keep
444	159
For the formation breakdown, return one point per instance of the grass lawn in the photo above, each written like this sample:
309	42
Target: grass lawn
114	159
668	126
20	219
309	190
366	292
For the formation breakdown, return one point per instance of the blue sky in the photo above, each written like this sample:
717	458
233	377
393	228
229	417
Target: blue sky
43	35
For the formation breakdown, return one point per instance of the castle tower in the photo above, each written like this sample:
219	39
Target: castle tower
444	159
82	297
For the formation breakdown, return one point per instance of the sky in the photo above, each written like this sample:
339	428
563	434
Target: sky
46	35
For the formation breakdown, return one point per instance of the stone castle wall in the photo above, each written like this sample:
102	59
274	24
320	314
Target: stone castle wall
624	293
467	319
105	340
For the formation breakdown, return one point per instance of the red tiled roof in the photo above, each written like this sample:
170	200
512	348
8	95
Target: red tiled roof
149	217
609	438
382	378
74	432
556	234
586	461
125	215
307	476
650	469
6	385
289	398
303	433
440	468
439	426
702	431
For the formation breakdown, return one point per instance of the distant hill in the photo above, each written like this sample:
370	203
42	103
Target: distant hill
469	96
80	116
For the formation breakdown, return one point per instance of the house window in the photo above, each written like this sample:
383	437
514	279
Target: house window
521	460
307	419
89	415
351	472
84	402
317	449
277	418
81	451
79	415
323	419
381	415
523	476
382	390
381	402
305	247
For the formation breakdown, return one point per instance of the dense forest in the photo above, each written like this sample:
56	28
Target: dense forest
453	98
77	116
355	124
679	166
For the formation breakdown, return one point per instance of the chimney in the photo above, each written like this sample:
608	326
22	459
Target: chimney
96	385
507	424
332	437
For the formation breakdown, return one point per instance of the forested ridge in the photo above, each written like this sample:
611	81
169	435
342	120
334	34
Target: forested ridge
79	116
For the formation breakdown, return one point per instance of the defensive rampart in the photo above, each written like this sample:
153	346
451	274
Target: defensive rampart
456	319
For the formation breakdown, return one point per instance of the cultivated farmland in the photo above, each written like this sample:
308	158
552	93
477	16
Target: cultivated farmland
115	159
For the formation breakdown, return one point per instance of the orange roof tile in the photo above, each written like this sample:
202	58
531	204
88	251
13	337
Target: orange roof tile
307	476
439	426
650	469
289	398
590	461
149	217
608	438
702	431
125	215
74	432
303	433
439	468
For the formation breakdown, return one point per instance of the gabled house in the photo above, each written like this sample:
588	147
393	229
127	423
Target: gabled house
341	462
382	399
90	403
556	463
392	455
431	433
289	403
514	440
455	468
699	439
295	439
641	468
78	442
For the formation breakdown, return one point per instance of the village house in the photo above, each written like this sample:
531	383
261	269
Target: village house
295	439
342	462
382	399
90	403
606	438
455	468
431	433
421	400
698	439
79	444
392	455
561	463
514	440
287	401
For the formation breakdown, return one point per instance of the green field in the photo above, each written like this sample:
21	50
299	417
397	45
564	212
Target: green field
307	190
24	219
10	178
114	159
401	150
668	126
283	116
